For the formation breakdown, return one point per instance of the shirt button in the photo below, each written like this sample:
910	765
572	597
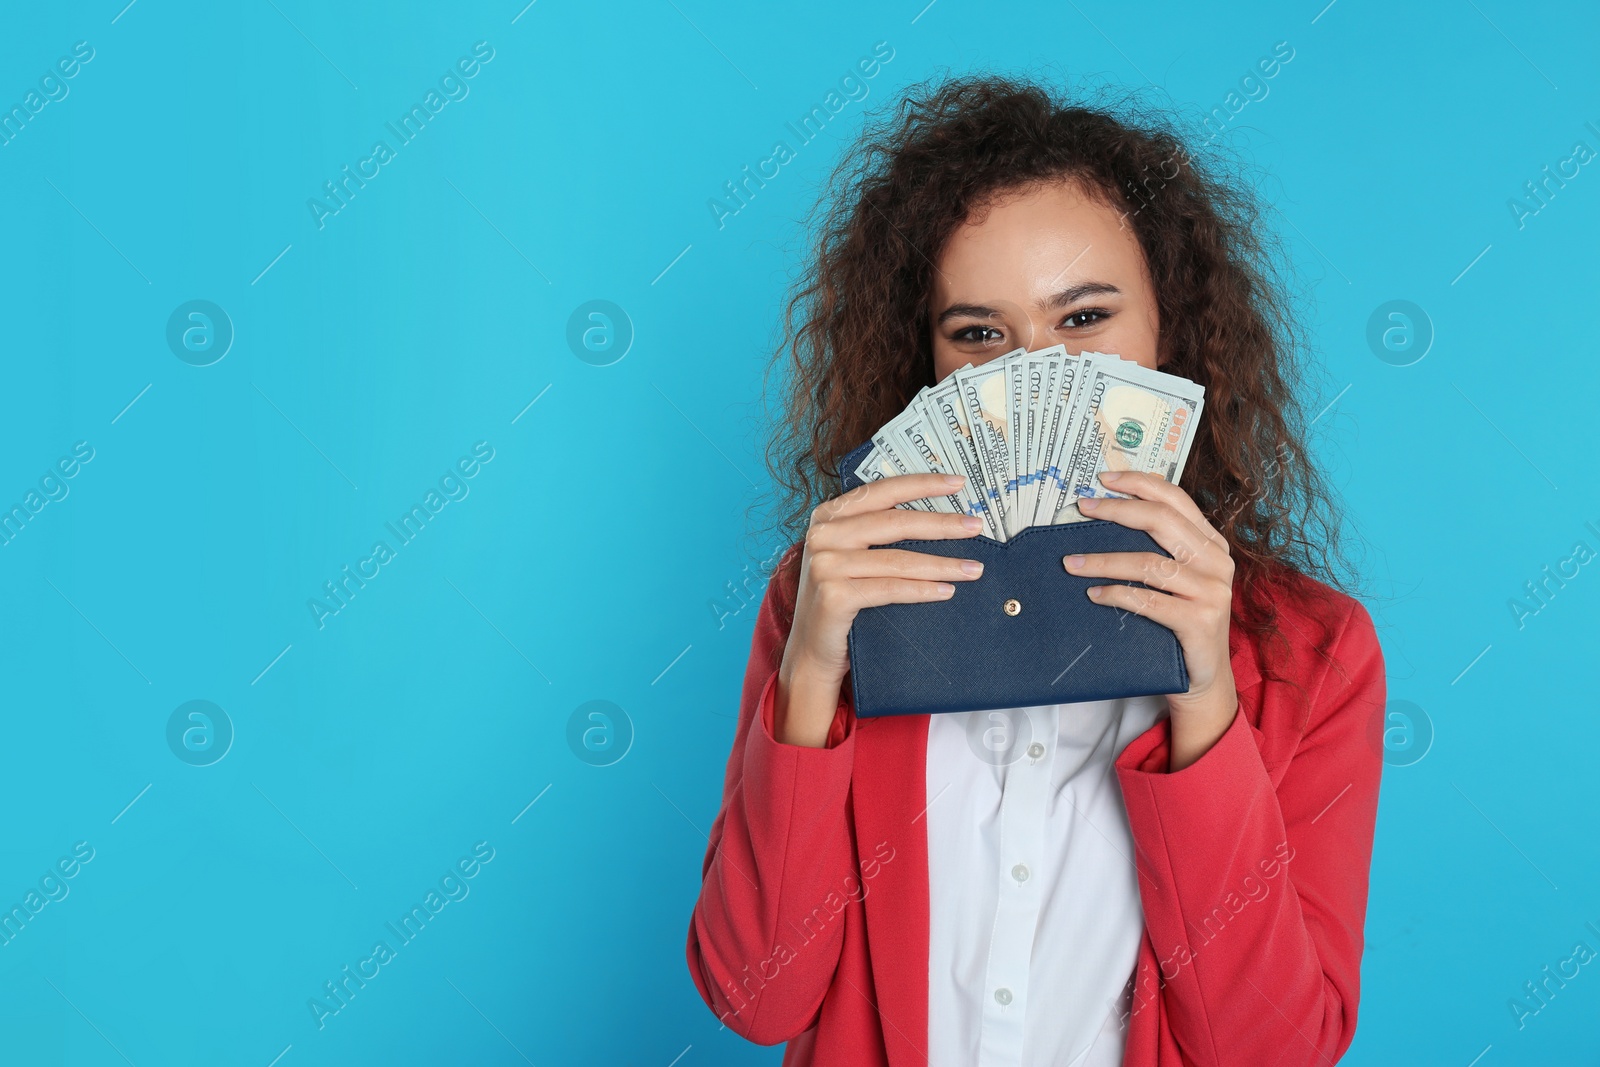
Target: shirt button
1035	750
1020	872
1003	995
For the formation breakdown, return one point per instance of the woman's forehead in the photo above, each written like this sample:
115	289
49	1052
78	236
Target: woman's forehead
1036	242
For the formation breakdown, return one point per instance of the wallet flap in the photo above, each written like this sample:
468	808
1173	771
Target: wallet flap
1024	634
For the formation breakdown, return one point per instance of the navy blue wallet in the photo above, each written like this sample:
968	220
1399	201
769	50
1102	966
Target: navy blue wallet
1024	634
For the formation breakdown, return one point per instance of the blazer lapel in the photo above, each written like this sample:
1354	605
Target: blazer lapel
889	789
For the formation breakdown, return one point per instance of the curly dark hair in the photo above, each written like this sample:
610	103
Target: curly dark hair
856	329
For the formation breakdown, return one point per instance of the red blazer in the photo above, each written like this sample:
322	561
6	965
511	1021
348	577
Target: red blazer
812	921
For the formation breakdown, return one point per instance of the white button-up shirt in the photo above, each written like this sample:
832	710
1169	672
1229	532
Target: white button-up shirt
1035	919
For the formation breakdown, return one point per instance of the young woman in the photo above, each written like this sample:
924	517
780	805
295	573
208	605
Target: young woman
1163	881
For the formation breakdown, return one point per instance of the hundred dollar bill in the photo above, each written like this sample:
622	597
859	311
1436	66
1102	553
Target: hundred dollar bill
920	434
947	418
1013	417
906	438
1042	372
876	465
982	391
882	461
1055	426
1129	418
888	455
1021	392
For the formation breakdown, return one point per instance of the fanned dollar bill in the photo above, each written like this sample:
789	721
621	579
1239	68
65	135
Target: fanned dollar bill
948	420
909	440
1032	432
1130	418
982	391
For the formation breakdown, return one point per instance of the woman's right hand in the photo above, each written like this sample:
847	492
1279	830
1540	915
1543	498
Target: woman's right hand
840	574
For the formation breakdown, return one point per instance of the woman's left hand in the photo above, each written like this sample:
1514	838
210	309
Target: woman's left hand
1190	594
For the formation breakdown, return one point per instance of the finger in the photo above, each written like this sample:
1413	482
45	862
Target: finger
1154	487
890	525
1161	572
886	493
1156	606
1161	521
849	595
894	563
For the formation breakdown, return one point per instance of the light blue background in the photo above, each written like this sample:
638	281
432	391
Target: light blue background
587	559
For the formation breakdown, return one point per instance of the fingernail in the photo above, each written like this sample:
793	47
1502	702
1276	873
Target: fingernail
1110	476
1088	503
954	480
1094	592
944	589
972	522
1074	562
972	567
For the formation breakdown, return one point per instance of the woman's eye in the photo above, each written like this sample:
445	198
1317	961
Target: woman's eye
981	335
1086	317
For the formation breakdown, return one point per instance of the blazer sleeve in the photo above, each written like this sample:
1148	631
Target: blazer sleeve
1255	898
763	943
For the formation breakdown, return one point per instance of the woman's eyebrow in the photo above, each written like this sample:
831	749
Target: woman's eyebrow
1070	295
1074	293
976	311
